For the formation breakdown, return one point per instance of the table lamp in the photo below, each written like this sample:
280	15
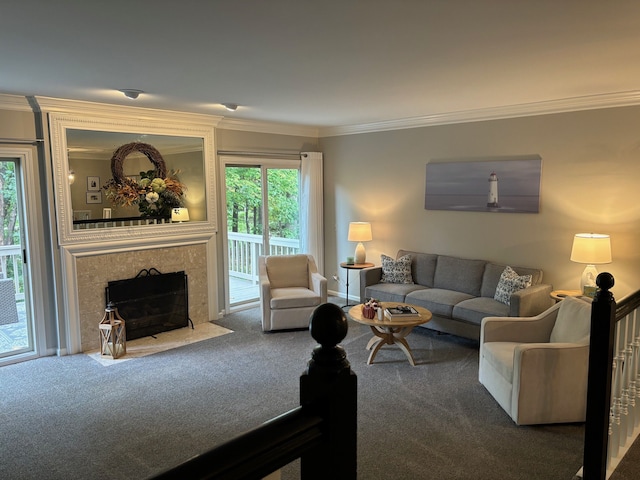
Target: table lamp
592	249
179	215
360	232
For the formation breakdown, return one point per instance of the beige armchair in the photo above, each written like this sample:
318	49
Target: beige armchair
536	367
290	289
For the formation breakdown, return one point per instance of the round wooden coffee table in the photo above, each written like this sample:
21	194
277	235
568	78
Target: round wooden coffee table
390	332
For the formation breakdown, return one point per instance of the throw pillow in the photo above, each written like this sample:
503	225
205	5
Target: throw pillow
396	271
509	283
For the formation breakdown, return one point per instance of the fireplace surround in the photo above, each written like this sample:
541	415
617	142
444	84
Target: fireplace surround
94	271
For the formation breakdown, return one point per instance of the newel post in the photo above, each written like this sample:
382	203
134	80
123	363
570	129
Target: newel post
596	433
328	388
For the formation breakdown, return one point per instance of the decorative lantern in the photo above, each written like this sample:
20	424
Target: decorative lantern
113	336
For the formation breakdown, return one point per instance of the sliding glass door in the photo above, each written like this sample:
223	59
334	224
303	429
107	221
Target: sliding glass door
263	218
16	328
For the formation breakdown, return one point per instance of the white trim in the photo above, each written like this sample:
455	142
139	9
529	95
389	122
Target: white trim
115	112
14	102
268	127
564	105
592	102
33	233
60	122
70	254
261	162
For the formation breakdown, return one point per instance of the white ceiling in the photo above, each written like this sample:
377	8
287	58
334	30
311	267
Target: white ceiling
321	63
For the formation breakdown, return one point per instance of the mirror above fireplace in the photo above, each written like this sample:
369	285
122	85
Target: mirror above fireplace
84	150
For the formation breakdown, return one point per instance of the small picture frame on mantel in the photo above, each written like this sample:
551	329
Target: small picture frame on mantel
93	184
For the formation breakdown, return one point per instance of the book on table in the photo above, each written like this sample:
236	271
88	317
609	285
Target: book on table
401	311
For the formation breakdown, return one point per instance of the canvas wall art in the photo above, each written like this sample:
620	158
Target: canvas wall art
502	186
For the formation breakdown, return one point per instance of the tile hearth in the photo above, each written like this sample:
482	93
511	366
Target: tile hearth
141	347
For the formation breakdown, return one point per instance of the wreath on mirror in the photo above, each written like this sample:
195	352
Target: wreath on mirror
157	191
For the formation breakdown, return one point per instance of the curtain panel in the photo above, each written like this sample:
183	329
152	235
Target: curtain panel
311	203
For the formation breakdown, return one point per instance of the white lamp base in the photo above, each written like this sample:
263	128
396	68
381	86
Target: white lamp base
588	277
361	255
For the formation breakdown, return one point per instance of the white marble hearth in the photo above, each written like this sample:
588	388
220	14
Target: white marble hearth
141	347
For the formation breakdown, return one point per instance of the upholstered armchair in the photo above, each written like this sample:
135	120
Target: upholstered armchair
290	289
536	367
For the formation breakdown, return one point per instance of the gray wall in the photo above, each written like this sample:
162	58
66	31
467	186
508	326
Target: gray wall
590	175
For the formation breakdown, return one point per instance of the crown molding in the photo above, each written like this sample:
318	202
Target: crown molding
592	102
59	105
14	102
574	104
268	127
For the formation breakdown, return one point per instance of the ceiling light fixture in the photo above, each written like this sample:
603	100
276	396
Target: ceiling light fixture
232	107
131	93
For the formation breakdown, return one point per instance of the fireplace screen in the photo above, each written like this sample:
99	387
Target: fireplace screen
151	303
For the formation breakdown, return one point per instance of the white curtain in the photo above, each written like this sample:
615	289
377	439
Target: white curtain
311	208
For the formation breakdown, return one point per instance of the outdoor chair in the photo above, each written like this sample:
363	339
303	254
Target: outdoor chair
290	289
8	309
536	367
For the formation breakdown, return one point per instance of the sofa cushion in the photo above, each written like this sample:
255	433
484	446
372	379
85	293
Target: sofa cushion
493	271
391	292
475	309
293	297
573	324
459	274
288	270
438	301
509	283
423	266
396	271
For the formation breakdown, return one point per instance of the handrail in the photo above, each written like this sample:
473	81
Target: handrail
256	453
613	393
244	249
322	432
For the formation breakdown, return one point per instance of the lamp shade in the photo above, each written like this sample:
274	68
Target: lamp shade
179	214
360	232
591	248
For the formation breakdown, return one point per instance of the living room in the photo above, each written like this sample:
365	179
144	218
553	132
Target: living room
375	171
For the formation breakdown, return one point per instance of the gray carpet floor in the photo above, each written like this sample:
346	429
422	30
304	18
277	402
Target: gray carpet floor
72	418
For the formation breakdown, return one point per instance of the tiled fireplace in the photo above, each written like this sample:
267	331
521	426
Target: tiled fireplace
94	271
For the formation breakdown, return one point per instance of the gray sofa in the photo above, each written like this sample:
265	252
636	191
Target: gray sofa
459	292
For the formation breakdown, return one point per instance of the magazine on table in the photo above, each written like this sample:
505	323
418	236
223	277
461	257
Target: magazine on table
401	311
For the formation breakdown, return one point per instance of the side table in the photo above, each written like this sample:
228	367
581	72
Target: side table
558	295
349	267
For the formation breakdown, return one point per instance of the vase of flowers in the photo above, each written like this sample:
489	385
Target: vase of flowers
370	308
154	195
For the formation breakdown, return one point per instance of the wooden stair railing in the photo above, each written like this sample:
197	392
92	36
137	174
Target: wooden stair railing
613	393
322	431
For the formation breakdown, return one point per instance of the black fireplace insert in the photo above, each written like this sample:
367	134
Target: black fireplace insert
151	303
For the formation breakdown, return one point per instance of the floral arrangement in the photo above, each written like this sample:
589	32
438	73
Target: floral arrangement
370	308
373	302
154	196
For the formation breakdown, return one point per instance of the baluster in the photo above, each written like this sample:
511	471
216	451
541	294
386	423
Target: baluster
614	439
636	369
630	379
636	366
624	355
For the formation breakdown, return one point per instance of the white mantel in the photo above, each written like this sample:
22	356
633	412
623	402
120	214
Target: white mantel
88	268
89	258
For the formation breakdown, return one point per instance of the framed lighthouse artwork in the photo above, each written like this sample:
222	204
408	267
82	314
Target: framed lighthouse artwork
510	185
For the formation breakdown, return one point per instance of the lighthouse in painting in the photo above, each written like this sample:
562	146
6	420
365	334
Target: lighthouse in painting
492	201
